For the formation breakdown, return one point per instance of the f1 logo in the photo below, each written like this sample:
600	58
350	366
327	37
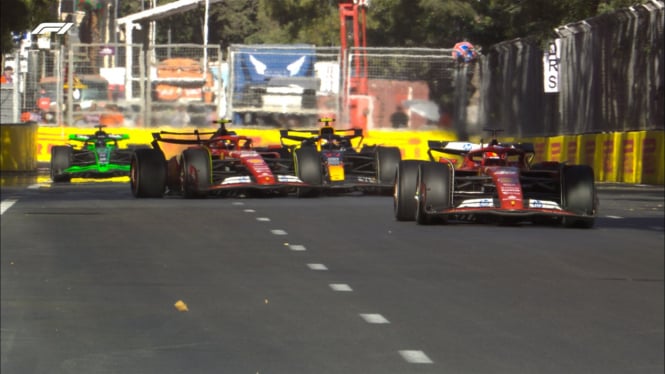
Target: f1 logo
57	27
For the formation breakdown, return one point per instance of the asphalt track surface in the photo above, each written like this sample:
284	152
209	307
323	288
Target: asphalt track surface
332	285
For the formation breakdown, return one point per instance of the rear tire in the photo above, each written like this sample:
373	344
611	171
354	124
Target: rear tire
147	173
387	160
404	194
61	159
579	195
433	190
195	172
308	169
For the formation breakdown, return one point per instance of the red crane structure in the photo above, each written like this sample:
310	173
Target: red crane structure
352	16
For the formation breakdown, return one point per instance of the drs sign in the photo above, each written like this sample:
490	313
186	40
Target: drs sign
551	63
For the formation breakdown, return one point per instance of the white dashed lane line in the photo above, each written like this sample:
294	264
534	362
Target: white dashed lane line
415	357
340	287
410	356
297	247
374	318
319	267
6	204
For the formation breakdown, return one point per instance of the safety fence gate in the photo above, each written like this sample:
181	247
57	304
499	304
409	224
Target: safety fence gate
422	82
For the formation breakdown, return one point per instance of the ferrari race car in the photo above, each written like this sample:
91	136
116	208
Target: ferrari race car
99	156
212	163
326	160
493	182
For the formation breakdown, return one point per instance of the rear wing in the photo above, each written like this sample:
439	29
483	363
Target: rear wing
324	133
458	148
88	137
195	137
99	134
450	147
177	136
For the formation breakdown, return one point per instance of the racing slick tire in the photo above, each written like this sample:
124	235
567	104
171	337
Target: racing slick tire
432	190
308	169
579	195
147	173
195	172
404	193
61	159
387	159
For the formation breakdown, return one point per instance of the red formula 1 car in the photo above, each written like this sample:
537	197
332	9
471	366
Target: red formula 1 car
212	163
493	183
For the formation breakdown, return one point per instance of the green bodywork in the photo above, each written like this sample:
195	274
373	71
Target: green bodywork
101	145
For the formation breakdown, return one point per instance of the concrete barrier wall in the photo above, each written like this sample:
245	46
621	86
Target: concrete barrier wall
626	157
413	144
19	145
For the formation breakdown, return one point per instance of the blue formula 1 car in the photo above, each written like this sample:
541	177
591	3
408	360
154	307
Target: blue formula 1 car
326	159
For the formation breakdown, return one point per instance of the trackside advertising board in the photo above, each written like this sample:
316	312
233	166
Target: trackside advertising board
631	157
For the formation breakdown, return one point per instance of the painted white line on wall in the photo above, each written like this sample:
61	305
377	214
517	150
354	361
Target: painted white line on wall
415	357
297	247
374	318
6	204
317	267
249	210
278	232
263	219
341	287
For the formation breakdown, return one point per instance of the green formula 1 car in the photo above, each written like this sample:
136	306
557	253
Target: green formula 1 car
99	156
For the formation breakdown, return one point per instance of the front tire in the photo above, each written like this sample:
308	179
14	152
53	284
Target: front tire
61	159
433	190
147	173
404	194
579	195
196	172
308	169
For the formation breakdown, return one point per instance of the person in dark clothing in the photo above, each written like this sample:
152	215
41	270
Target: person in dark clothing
399	118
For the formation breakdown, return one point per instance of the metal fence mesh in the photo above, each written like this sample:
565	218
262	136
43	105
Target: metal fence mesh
420	81
185	85
611	76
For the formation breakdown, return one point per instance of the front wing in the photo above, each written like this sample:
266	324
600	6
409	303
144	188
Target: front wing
475	209
85	164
